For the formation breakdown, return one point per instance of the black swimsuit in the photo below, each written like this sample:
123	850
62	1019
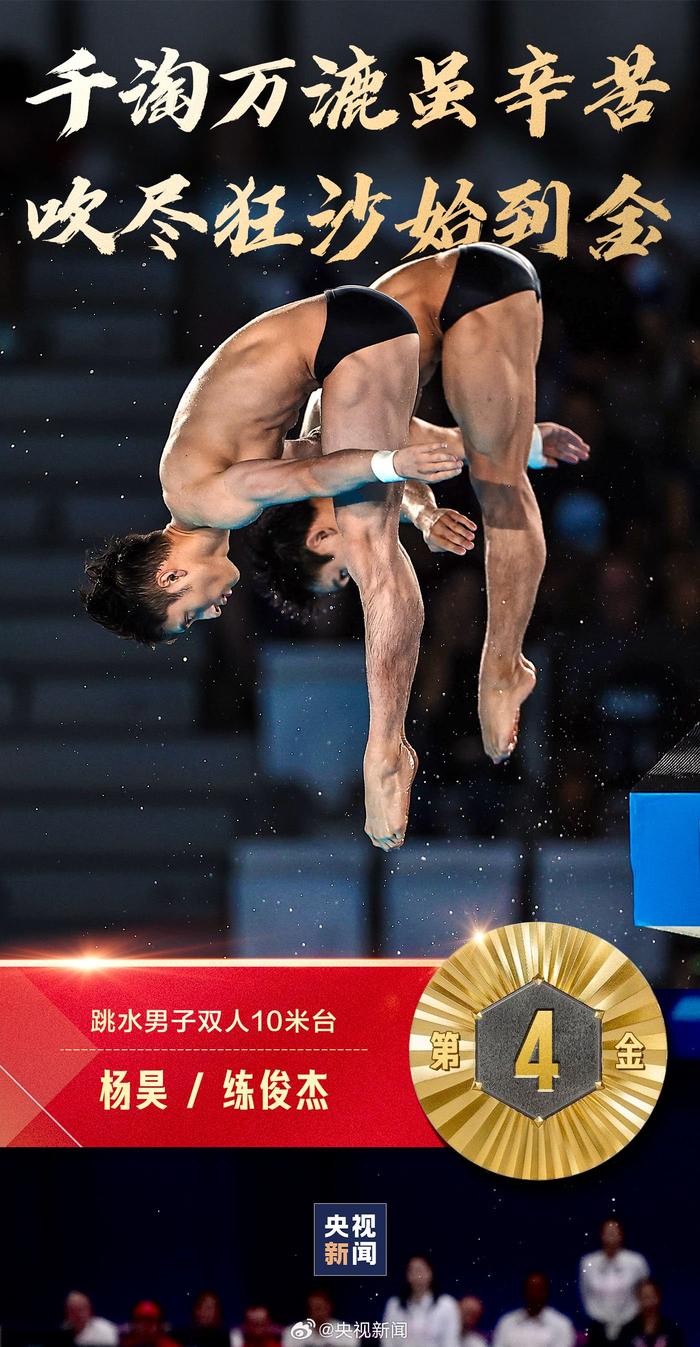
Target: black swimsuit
357	318
485	273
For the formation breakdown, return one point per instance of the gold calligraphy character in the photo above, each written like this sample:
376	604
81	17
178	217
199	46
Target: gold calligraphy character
525	215
620	102
74	214
362	208
537	86
445	1043
356	94
443	91
261	81
159	201
78	86
625	209
437	226
180	97
630	1053
234	221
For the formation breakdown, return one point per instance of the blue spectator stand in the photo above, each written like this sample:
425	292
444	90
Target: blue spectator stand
665	840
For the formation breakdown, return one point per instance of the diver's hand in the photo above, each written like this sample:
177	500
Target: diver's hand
428	463
447	531
562	445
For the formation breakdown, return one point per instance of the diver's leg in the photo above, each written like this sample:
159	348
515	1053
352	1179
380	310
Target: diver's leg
367	404
489	360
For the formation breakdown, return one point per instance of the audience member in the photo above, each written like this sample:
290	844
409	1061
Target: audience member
608	1280
85	1327
432	1319
536	1324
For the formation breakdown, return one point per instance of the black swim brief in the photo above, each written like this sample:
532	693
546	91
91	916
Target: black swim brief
486	272
356	318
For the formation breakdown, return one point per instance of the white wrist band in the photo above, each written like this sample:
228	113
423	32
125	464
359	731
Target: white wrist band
537	458
382	465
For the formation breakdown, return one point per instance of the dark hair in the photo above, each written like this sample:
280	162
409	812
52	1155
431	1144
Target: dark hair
284	568
540	1275
124	597
613	1220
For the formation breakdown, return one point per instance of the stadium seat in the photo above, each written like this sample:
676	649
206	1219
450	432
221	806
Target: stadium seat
93	700
78	336
304	899
200	767
42	579
40	459
438	893
89	518
313	705
76	896
42	642
7	702
20	516
121	398
589	884
62	275
196	832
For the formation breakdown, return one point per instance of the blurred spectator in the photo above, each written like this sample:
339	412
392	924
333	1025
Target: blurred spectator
257	1329
471	1311
608	1281
536	1324
650	1328
319	1318
207	1327
85	1327
432	1320
147	1327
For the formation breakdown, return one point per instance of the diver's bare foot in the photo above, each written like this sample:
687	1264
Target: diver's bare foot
388	782
500	699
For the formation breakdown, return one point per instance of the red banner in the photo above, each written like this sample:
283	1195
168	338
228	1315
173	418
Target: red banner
209	1053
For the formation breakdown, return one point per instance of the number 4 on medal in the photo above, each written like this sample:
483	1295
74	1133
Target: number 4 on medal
539	1040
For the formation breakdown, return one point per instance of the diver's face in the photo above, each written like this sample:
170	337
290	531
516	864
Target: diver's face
203	589
325	539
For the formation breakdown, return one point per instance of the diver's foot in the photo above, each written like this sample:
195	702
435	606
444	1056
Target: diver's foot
388	781
500	699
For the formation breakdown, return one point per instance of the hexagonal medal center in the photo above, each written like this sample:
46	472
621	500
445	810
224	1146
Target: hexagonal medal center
538	1050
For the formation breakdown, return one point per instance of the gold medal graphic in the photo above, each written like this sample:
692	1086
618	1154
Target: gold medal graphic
538	1050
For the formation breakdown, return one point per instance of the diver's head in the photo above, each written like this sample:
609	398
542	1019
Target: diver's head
151	587
298	553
